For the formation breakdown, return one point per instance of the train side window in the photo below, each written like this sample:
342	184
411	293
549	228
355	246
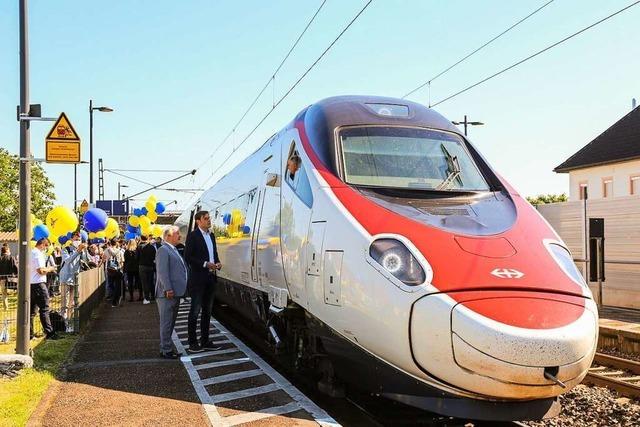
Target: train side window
296	176
303	189
292	166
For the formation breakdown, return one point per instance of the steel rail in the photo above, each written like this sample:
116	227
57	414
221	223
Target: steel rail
626	388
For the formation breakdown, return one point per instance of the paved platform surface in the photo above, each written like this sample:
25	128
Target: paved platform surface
620	329
118	379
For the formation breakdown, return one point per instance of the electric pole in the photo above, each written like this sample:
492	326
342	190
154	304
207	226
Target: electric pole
24	285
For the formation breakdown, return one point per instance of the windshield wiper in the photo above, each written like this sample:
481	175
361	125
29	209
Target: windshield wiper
453	166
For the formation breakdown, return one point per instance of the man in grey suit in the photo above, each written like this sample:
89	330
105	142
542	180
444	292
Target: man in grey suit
171	284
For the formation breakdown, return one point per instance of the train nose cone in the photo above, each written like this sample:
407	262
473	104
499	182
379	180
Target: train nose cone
505	346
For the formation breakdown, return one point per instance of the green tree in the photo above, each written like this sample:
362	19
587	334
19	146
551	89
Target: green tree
42	195
543	199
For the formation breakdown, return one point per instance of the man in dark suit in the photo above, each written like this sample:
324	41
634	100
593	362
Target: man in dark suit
201	256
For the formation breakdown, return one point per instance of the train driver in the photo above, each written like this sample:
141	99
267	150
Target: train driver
293	164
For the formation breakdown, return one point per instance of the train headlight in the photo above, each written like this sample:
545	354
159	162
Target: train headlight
565	261
394	257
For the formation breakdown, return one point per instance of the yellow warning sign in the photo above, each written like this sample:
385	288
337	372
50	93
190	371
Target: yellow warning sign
84	206
63	142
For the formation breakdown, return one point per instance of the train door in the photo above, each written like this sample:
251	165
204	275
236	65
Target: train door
268	257
297	200
255	226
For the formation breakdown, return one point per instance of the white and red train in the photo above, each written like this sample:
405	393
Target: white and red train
392	258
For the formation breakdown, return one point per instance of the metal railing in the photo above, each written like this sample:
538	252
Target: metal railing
69	305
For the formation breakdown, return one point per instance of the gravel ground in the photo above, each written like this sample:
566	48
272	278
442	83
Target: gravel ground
618	353
594	406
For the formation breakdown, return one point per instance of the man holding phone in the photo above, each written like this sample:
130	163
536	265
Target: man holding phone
171	284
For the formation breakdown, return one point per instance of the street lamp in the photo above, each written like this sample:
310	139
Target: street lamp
119	187
91	109
466	122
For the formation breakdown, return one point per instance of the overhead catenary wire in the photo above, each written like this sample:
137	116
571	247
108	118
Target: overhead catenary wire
288	92
270	81
504	70
460	61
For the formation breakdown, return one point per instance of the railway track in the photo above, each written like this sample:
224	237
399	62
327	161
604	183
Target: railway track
354	409
616	373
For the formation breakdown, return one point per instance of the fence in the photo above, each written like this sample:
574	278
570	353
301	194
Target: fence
90	292
621	243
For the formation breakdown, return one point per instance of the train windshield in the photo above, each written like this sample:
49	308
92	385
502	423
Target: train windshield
413	158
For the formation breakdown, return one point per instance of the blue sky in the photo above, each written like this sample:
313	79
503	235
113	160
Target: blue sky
180	74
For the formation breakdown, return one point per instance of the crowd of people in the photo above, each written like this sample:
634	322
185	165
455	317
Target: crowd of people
161	270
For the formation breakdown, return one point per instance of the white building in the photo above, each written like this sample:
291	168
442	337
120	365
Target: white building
608	166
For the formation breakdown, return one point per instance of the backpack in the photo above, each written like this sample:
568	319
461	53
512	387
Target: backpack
113	268
58	322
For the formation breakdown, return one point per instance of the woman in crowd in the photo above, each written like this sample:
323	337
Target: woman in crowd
131	269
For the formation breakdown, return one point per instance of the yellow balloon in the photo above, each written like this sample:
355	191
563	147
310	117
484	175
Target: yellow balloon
152	198
101	235
32	244
150	205
134	221
61	220
152	216
145	221
112	230
156	231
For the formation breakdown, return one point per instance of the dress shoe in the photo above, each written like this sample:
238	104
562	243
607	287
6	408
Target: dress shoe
170	355
211	346
193	349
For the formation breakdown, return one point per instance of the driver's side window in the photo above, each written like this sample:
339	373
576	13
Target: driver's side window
292	166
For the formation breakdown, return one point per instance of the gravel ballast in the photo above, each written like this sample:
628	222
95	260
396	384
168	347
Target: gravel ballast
594	406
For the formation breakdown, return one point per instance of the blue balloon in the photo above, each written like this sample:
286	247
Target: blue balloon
160	208
84	236
129	236
137	212
143	211
70	234
95	220
226	218
131	229
246	229
40	232
63	239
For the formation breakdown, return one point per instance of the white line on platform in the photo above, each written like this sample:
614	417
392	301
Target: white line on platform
232	377
318	413
208	353
235	420
223	363
247	392
209	401
208	406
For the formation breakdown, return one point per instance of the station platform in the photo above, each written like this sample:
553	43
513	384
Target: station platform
619	329
116	377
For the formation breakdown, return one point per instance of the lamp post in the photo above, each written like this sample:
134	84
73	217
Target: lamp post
465	122
91	109
119	187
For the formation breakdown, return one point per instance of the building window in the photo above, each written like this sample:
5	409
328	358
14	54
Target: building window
634	185
607	187
582	189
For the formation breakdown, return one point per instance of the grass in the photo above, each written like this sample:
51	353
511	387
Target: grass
20	396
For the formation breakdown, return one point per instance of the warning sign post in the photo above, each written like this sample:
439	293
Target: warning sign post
62	142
